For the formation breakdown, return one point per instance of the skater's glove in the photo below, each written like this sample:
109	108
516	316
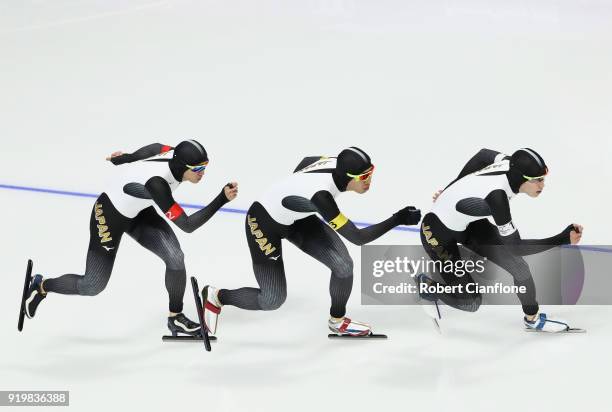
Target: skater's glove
409	215
230	191
567	234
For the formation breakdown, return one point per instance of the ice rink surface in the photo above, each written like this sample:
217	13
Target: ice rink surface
420	85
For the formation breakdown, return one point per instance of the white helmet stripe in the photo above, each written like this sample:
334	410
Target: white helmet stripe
534	155
198	146
360	153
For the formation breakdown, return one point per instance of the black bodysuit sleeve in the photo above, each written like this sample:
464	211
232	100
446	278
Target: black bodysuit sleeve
480	160
329	211
162	196
500	210
142	153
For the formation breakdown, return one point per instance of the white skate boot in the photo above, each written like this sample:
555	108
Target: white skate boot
348	328
212	308
542	323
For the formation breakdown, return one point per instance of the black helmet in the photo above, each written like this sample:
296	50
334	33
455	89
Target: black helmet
187	153
352	160
525	164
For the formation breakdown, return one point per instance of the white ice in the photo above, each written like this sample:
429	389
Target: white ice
421	85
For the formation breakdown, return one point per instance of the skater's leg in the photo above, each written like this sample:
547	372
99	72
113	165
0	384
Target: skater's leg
264	240
97	274
441	245
155	234
321	242
270	295
486	242
152	232
484	239
106	228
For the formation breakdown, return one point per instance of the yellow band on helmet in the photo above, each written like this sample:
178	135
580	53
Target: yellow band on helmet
338	221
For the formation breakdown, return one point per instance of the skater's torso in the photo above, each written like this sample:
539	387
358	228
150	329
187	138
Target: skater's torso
479	195
127	191
290	199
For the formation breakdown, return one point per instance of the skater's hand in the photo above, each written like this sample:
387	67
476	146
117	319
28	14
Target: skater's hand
115	154
409	215
576	234
231	190
436	195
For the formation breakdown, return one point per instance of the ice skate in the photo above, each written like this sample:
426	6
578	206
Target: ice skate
348	328
183	325
34	296
212	308
429	301
24	295
543	324
192	332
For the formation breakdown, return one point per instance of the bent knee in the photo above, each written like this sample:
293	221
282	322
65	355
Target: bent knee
91	289
520	270
471	304
268	301
175	260
343	268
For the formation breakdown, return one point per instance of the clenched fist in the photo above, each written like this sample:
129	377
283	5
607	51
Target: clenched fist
231	190
409	215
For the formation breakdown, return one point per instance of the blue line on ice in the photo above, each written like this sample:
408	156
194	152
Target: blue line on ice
185	205
228	210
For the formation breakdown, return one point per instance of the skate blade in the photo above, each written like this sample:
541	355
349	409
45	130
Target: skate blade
185	338
200	310
26	286
432	310
370	336
437	325
570	330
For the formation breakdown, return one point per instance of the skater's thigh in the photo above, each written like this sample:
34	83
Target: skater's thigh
270	277
482	233
154	233
441	246
503	257
98	271
320	241
440	243
263	236
106	229
485	240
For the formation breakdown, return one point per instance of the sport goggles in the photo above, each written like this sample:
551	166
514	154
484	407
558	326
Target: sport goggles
537	179
363	176
198	168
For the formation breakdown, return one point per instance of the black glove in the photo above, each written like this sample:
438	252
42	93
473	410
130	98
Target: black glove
565	235
409	215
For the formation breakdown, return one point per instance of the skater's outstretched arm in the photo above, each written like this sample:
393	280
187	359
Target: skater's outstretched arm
140	154
328	209
162	196
500	210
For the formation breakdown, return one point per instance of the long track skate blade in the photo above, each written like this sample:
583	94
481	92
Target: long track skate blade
26	286
570	330
185	338
370	336
432	310
437	325
200	310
